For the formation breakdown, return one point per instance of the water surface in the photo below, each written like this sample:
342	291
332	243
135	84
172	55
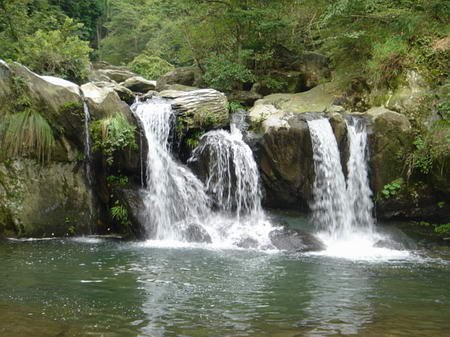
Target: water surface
93	287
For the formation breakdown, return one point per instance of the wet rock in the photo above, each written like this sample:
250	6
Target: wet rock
390	244
139	84
295	240
196	233
247	243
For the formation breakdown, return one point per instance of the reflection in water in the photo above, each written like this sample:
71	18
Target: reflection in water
339	300
228	296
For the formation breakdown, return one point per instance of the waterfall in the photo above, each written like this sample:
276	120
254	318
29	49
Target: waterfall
330	206
342	210
358	185
174	197
87	141
232	177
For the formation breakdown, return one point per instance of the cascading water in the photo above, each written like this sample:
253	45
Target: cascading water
330	207
176	201
233	183
342	211
358	185
174	197
233	177
87	142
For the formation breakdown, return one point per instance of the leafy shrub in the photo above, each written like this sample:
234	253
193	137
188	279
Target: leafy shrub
27	133
112	134
150	67
225	75
57	52
121	181
392	189
443	229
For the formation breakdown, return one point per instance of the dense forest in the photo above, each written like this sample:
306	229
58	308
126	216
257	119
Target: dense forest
232	42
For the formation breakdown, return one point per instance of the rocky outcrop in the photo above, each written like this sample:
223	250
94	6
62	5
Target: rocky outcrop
139	84
188	76
245	98
103	101
44	200
391	137
203	108
124	94
102	71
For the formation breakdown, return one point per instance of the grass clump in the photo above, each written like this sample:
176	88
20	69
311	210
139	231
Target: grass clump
27	133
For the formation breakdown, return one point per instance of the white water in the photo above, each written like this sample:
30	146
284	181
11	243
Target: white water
174	197
342	211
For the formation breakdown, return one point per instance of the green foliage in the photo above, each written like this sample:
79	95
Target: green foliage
120	181
120	214
392	189
389	58
443	229
223	74
150	67
432	149
57	52
235	107
27	133
112	134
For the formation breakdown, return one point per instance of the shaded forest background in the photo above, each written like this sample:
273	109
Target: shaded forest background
231	41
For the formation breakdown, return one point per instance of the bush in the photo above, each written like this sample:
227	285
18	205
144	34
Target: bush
150	67
225	75
57	52
111	134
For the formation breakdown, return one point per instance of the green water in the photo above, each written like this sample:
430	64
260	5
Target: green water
110	288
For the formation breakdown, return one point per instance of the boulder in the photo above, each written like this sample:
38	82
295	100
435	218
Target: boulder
139	84
245	98
44	200
125	94
408	96
202	109
390	138
196	233
188	76
103	101
318	99
117	74
295	240
58	100
285	158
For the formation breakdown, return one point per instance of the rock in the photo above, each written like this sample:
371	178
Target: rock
139	84
125	94
339	126
56	99
203	108
44	200
103	101
389	244
317	99
390	138
284	156
187	76
407	97
295	240
180	87
247	243
132	198
117	74
196	233
245	98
